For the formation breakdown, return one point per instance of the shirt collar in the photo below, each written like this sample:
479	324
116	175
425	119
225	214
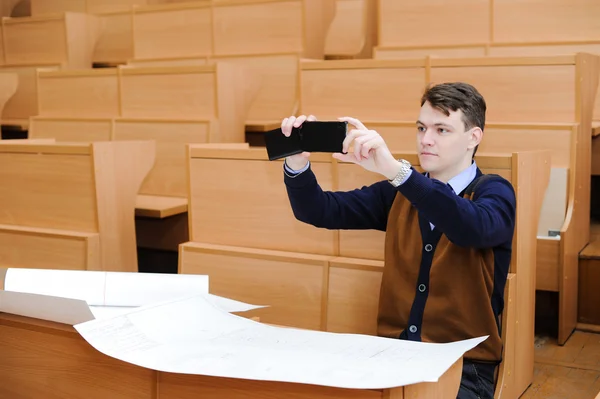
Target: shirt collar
461	181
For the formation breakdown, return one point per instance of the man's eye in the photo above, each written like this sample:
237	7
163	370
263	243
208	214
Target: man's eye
420	128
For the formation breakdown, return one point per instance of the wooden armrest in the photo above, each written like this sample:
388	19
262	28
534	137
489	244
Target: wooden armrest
262	126
595	129
154	206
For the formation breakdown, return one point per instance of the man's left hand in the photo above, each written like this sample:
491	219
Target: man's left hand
370	150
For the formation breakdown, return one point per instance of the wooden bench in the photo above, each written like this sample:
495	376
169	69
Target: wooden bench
217	94
560	113
514	28
71	206
65	39
245	249
503	29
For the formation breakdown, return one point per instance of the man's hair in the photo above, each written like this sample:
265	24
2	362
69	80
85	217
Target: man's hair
448	97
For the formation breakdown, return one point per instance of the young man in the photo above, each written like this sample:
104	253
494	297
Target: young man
447	252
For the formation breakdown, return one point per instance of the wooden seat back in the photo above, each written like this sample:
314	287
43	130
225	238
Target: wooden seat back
66	39
263	226
71	205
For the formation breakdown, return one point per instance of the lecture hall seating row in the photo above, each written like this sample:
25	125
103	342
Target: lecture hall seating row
260	253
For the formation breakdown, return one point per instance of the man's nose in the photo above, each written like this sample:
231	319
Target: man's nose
427	138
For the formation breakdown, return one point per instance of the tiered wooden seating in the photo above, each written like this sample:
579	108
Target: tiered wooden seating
353	31
550	108
507	28
260	253
65	39
171	105
71	206
226	30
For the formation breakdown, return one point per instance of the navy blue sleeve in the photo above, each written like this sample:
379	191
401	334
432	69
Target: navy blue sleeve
486	221
360	209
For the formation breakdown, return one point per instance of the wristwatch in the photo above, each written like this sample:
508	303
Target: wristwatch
405	168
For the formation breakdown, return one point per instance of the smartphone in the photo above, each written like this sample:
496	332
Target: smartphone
311	136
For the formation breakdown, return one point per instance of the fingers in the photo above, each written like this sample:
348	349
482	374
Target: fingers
287	124
354	122
344	157
294	122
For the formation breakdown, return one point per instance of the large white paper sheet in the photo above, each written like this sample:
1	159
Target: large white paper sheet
75	296
193	336
106	288
44	307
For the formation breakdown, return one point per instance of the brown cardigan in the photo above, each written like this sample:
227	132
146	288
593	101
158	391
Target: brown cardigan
433	290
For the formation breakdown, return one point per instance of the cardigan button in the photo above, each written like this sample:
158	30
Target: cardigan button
412	329
422	287
428	247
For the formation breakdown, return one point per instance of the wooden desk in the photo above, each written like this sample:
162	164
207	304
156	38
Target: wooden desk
159	207
51	360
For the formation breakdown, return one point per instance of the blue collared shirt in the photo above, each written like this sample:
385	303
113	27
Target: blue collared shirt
458	183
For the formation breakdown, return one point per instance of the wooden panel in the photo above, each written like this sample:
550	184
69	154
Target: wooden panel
353	31
364	93
71	129
8	87
48	190
169	175
589	295
51	360
173	31
550	20
291	284
265	221
179	386
239	28
172	93
353	295
538	93
277	93
92	93
517	139
35	40
115	41
109	6
48	249
543	49
390	53
66	39
57	364
596	156
400	20
41	7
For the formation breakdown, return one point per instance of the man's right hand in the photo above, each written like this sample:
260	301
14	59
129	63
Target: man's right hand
298	161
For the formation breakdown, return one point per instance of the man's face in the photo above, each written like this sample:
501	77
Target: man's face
443	145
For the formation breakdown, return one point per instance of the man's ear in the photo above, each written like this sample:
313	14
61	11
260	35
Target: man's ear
475	136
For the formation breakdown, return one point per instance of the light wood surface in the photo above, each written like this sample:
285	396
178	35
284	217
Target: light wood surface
158	207
71	204
66	39
353	30
51	359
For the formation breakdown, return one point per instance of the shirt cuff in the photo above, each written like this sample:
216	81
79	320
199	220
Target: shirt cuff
293	172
